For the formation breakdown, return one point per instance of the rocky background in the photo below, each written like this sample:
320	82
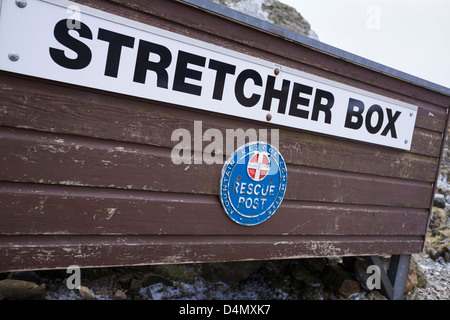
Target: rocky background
314	279
274	12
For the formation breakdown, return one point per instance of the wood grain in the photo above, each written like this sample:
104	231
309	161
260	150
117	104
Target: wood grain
60	251
35	209
86	176
87	162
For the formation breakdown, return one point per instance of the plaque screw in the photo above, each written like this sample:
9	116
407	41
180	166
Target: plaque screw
406	141
268	117
21	3
13	56
276	71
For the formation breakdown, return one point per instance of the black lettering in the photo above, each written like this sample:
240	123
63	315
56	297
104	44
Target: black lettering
352	113
116	42
271	93
222	69
239	87
143	64
84	54
325	108
374	109
391	123
182	72
297	100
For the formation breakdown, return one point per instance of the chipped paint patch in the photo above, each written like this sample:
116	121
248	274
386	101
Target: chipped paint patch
111	212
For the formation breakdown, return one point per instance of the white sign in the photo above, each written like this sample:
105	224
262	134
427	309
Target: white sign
67	42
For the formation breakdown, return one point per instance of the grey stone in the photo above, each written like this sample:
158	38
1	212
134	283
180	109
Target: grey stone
360	269
25	276
135	286
125	280
230	272
119	295
447	257
340	281
434	254
439	200
87	293
150	278
300	272
178	272
274	12
21	290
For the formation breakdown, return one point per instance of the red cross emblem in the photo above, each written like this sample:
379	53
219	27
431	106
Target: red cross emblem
258	166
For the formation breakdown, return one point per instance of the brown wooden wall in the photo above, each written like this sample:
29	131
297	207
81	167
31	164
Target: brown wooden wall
87	178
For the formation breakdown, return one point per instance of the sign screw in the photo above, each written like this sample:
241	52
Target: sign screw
21	3
276	71
268	117
406	141
13	56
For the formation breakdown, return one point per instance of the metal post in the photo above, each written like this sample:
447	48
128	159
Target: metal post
398	273
393	281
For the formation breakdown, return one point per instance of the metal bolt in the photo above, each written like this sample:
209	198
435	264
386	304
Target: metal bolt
411	114
268	117
406	141
13	56
276	71
21	3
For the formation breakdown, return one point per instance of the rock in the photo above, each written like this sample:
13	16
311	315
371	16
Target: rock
230	272
119	295
340	281
135	286
434	254
348	263
420	275
375	295
439	200
87	293
411	281
274	12
315	265
179	272
300	272
125	280
447	257
21	290
360	269
437	286
150	278
29	276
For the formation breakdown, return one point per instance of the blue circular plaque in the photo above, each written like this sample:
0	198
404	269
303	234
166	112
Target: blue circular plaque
253	183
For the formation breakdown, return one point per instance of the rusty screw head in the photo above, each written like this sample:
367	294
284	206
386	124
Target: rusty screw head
268	117
21	3
276	71
13	56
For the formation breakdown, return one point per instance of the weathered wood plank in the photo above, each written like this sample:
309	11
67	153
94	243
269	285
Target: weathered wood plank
98	163
315	151
58	252
46	107
35	209
298	149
